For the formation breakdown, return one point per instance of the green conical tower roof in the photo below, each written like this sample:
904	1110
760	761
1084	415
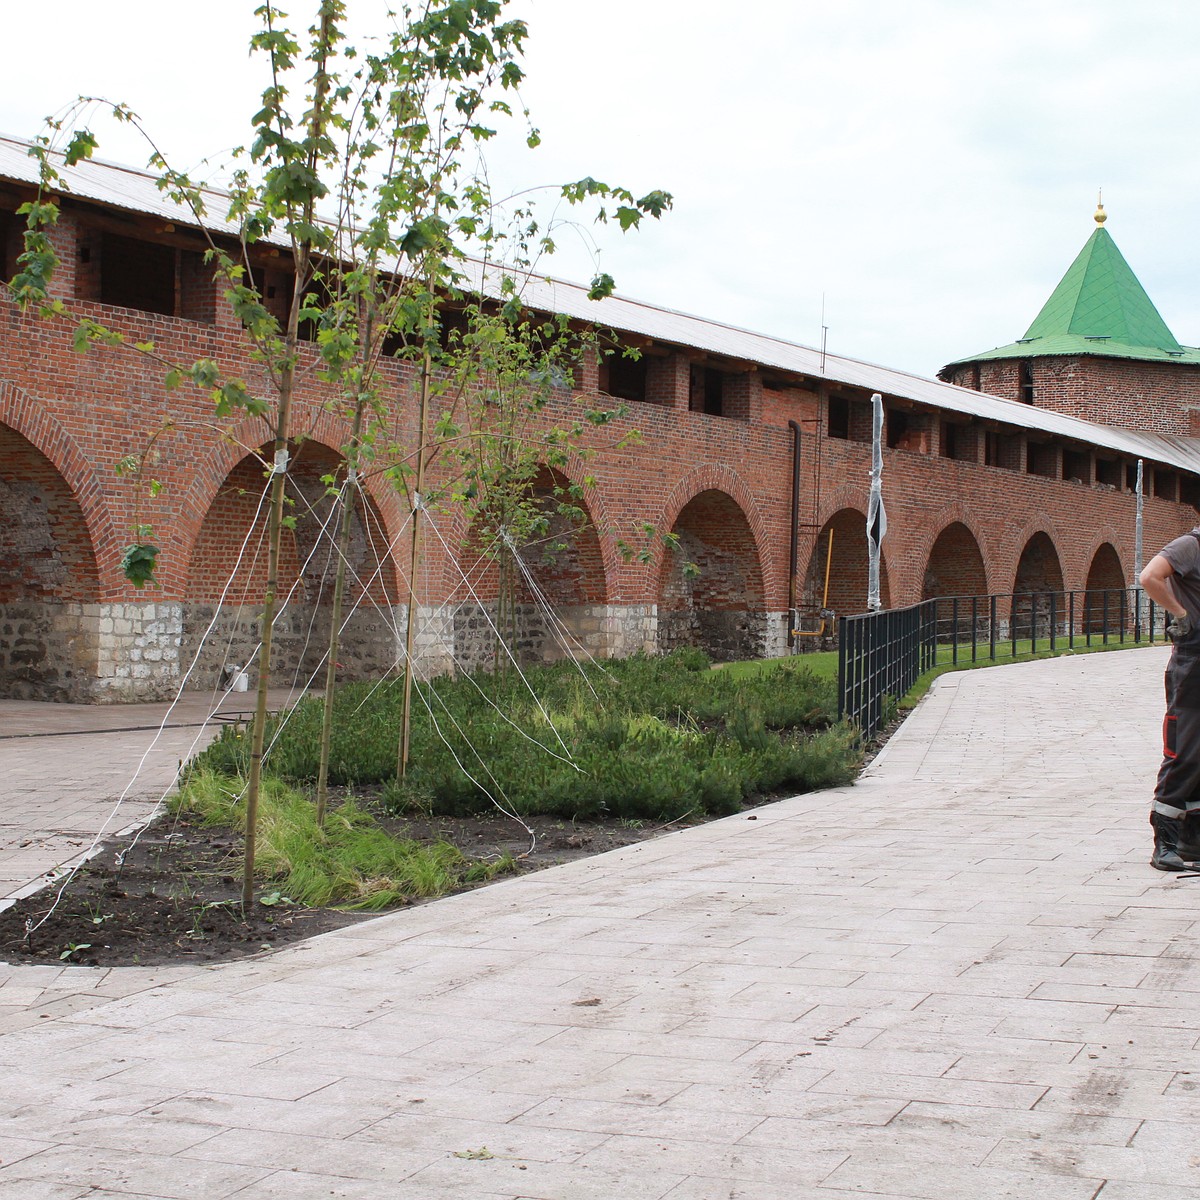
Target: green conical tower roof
1098	308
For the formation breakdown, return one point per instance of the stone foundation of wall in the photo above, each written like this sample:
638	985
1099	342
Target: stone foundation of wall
138	651
224	642
725	635
89	653
580	631
48	651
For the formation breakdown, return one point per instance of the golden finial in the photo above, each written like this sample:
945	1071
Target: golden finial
1101	215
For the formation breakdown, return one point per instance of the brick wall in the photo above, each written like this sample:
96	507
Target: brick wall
1156	397
722	483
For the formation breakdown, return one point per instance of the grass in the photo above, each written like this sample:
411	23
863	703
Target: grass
822	665
352	862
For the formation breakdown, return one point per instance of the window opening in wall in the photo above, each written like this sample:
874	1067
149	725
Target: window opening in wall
318	288
1165	484
1189	490
707	390
1131	477
975	377
1042	459
959	441
1026	377
1109	473
624	378
8	248
1077	466
274	287
838	422
135	274
897	427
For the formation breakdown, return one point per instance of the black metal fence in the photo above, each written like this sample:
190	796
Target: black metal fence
882	654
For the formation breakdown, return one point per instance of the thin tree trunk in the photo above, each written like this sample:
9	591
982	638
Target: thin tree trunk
302	252
274	541
414	565
339	589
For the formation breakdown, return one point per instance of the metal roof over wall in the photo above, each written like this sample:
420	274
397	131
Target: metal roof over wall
137	192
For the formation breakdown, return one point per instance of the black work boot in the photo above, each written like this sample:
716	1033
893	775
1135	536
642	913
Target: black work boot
1188	843
1166	855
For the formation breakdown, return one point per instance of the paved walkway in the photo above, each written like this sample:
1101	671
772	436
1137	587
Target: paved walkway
958	978
72	771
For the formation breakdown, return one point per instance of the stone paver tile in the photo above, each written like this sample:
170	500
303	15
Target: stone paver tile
41	1189
996	1068
450	1135
156	1131
1017	1123
315	1115
669	1121
773	1165
816	1056
1131	1164
576	1080
456	1179
146	1173
647	1068
715	1049
1116	1189
345	1158
802	1032
925	1087
14	1147
699	1188
923	1180
232	1078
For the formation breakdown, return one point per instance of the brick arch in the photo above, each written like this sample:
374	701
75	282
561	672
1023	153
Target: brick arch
247	438
234	505
554	611
575	576
958	514
848	570
1105	601
954	564
1039	566
1009	544
593	504
1081	567
24	416
718	478
719	606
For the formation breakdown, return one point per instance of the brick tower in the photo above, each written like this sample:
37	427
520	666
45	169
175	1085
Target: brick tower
1098	350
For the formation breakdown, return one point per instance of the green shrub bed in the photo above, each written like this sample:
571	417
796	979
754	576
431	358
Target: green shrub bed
639	738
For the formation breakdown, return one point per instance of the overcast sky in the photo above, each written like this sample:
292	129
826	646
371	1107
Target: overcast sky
925	170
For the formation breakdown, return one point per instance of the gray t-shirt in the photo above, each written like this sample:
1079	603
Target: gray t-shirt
1184	556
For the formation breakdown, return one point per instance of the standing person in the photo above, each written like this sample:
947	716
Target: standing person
1172	579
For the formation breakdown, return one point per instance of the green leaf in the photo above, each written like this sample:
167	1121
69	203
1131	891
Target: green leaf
602	285
138	563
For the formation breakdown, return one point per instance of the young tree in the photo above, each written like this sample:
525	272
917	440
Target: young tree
359	169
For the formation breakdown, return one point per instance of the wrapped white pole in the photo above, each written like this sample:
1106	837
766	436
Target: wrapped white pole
1137	528
876	516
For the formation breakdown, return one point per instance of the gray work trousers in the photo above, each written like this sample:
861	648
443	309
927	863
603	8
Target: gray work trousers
1177	791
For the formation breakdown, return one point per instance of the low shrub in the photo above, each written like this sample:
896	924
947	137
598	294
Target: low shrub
639	738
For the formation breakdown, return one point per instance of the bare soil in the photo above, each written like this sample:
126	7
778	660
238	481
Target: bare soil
172	895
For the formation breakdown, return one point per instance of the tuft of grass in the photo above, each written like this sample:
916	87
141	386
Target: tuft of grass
350	863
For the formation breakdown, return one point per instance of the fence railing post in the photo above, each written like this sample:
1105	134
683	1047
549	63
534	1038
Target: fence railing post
885	653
